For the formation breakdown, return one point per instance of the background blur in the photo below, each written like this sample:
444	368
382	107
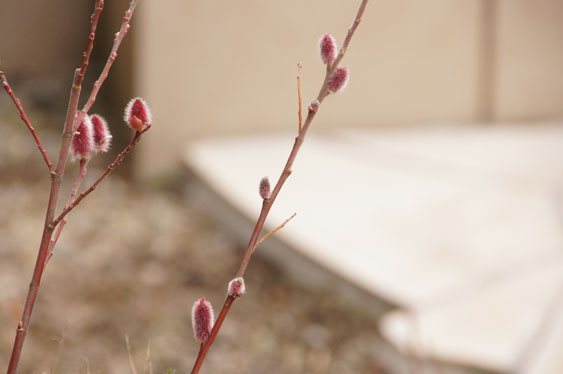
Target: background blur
209	70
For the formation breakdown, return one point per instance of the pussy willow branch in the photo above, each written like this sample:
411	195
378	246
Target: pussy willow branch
76	186
72	202
25	119
118	160
112	56
98	7
56	178
125	25
267	203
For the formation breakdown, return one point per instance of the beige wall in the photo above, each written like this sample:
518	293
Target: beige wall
222	68
529	67
40	37
214	67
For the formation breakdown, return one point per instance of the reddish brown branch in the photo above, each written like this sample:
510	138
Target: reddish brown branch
204	348
274	231
24	118
98	7
56	179
299	66
77	183
267	203
81	72
118	160
112	56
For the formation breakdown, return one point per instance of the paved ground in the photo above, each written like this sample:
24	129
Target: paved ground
459	227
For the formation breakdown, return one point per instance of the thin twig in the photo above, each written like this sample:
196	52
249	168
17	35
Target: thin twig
98	7
267	203
77	183
299	67
112	56
148	361
274	231
56	179
125	25
25	119
131	360
118	160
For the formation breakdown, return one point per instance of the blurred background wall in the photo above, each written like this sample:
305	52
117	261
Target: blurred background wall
211	68
40	45
216	68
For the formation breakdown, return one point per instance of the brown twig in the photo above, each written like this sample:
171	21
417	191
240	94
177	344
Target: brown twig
125	25
25	119
77	183
148	361
98	7
267	203
118	160
56	179
130	354
299	66
274	231
112	56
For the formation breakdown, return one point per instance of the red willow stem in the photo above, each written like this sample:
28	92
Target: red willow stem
98	7
112	56
118	160
24	118
267	203
56	179
77	183
125	26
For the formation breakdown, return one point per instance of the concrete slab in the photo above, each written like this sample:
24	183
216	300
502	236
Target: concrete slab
498	327
426	219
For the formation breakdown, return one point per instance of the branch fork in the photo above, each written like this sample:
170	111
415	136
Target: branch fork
74	118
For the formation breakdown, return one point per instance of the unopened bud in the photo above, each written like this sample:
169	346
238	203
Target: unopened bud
264	189
102	136
314	106
202	319
236	287
327	48
82	145
338	80
137	114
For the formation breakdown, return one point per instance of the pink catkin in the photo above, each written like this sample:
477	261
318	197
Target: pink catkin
202	319
236	287
102	136
137	114
82	145
327	48
338	80
264	189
